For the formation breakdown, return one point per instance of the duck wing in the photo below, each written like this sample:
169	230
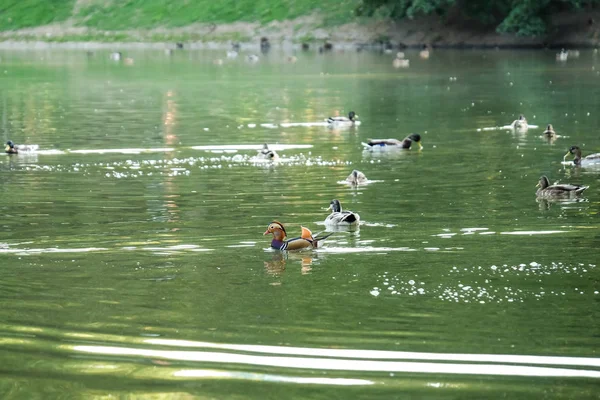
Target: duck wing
383	142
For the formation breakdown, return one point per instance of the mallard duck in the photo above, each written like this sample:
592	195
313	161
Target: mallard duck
405	143
305	240
588	160
356	178
343	121
520	123
339	217
558	190
12	148
266	154
549	132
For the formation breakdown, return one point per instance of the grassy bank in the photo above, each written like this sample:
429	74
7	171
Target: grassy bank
118	15
18	14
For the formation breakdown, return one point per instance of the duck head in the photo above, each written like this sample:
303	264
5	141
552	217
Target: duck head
415	137
9	146
352	116
335	206
576	151
277	229
543	182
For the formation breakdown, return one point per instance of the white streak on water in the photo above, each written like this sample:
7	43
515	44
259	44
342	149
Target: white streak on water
333	364
276	147
123	151
206	373
532	232
384	354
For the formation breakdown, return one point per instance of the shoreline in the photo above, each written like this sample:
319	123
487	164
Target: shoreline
568	30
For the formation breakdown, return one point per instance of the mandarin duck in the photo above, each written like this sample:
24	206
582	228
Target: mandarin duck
343	121
339	217
546	190
357	178
589	160
405	143
306	239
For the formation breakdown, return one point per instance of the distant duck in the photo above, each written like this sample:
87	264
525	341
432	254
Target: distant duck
128	61
520	124
356	178
549	132
338	217
306	239
12	148
592	159
401	62
547	191
305	46
232	54
265	45
266	154
291	59
562	56
116	56
405	143
343	121
252	58
169	52
218	61
424	54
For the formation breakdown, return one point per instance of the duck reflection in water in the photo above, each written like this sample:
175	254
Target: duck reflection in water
278	262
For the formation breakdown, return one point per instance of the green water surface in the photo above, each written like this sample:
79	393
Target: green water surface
145	274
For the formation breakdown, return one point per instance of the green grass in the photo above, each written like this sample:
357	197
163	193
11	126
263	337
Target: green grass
17	14
120	15
146	14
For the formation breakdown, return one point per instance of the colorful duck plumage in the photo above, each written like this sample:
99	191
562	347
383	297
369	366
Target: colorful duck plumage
405	143
564	190
305	240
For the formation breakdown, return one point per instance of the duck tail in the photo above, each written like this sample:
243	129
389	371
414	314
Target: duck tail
319	238
581	189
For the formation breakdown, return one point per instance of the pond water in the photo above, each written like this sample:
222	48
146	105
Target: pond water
133	262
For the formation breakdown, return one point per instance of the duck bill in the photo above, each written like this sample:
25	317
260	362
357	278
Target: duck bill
266	232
